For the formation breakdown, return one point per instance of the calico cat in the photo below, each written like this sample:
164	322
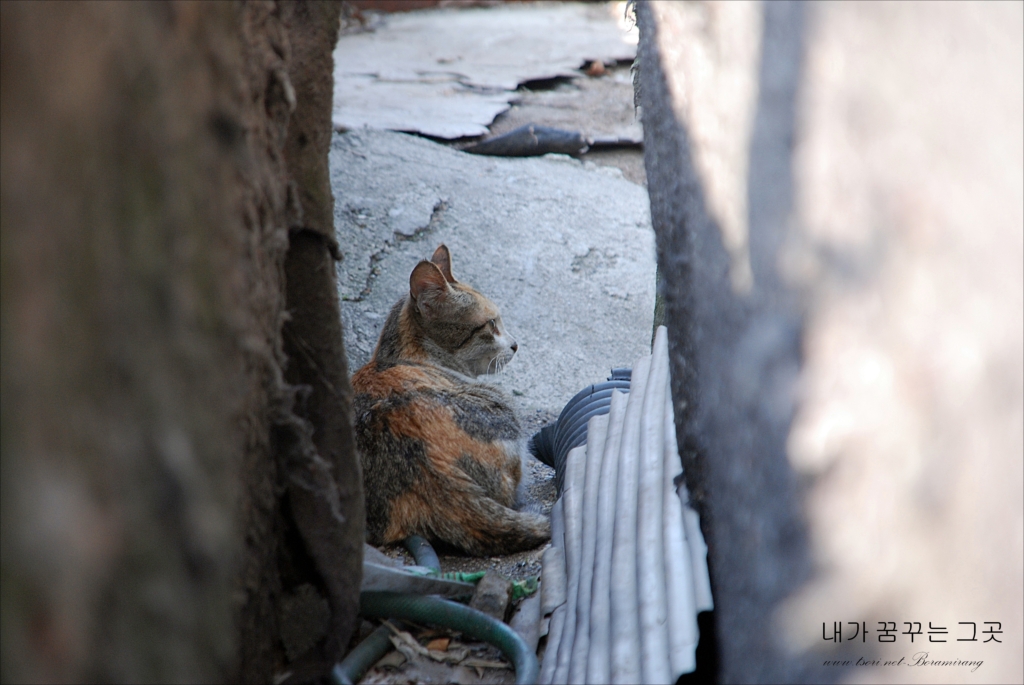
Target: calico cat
441	451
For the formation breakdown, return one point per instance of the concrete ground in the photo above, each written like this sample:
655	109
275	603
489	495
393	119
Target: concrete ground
564	249
600	106
447	72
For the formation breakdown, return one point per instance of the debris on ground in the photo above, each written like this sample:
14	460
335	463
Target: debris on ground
421	656
531	140
492	596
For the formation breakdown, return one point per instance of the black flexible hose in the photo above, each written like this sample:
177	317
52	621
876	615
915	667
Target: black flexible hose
366	654
446	614
422	552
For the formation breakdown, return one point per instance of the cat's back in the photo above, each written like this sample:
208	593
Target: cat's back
412	397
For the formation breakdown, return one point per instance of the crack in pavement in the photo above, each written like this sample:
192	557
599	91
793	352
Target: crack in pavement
417	233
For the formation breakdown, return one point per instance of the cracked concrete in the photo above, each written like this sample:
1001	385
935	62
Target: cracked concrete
406	219
448	72
565	249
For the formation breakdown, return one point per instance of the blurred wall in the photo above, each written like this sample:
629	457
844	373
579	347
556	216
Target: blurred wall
838	192
169	508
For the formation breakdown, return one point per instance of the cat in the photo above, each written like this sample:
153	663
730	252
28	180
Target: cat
441	451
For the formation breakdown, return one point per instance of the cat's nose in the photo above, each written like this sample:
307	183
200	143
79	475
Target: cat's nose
515	347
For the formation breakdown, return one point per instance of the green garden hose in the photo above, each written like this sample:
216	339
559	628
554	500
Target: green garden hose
426	557
366	654
524	588
464	576
439	612
446	614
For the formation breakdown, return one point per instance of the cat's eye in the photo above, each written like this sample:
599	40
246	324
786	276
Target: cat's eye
494	325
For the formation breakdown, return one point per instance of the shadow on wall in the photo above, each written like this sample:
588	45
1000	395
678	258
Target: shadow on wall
177	502
809	397
736	355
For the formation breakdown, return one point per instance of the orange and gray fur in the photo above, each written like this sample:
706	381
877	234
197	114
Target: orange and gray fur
441	451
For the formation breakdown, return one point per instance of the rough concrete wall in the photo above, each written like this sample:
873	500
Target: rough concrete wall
329	515
266	200
121	364
148	432
847	350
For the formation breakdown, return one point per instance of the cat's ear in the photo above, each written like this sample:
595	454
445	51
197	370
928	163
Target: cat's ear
428	288
443	260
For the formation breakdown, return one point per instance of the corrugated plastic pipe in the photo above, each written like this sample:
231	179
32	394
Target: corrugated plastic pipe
598	665
552	443
572	510
650	558
699	555
557	622
681	601
599	435
636	569
625	614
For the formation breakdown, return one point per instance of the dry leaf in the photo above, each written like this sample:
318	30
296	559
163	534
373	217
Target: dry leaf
440	644
410	647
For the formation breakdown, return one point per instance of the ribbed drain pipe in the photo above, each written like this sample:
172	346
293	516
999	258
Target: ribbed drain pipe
626	548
